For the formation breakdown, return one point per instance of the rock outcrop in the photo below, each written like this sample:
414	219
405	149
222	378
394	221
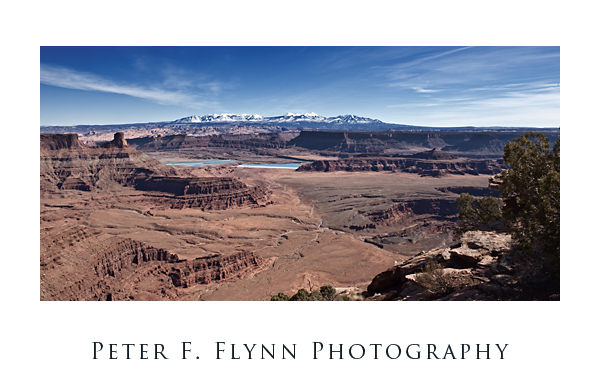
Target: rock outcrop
228	142
423	167
81	263
67	164
480	267
488	144
203	193
118	141
407	210
434	154
481	143
53	142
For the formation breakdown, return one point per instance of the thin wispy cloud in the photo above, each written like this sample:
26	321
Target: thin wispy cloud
462	69
175	95
408	105
526	100
414	67
433	57
533	86
424	90
534	104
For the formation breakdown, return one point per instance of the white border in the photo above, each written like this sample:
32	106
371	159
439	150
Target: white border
551	345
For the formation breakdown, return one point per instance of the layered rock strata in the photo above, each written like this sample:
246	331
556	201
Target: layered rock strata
237	142
407	210
423	167
80	263
465	144
203	193
67	164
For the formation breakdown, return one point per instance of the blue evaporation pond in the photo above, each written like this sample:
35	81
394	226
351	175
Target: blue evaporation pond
289	166
198	163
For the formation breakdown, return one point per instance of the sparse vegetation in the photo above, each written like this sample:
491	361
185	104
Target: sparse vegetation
280	297
325	293
473	213
434	278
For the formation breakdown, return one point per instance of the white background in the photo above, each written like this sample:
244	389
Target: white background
552	345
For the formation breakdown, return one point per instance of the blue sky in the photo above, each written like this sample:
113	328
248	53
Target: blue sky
429	86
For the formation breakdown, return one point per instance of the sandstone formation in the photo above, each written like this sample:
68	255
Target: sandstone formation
67	164
481	266
410	222
237	142
482	143
92	185
203	193
81	263
405	210
374	142
434	154
423	166
488	144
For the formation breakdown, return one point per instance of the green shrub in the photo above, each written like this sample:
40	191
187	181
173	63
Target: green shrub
280	297
325	293
301	295
474	213
433	278
328	293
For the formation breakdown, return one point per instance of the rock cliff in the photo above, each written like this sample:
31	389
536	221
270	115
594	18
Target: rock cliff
463	143
81	263
67	164
424	167
407	210
234	142
481	266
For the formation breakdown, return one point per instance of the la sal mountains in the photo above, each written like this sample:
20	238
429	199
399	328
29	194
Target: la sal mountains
253	123
308	119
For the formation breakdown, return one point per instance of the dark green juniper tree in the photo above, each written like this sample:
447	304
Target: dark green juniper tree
531	192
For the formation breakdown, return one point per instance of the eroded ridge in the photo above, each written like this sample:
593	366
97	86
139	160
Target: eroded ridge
80	263
68	164
422	166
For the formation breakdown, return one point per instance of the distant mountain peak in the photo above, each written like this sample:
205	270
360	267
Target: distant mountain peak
288	118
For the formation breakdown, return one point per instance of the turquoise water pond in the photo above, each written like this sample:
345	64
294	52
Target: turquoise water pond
289	166
198	163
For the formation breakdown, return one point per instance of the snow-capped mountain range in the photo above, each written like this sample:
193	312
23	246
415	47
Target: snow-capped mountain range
252	123
289	119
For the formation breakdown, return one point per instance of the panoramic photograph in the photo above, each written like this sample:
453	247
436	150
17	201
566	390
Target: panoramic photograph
290	173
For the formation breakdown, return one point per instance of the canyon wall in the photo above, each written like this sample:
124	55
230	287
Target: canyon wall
67	164
404	211
82	263
423	167
237	142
